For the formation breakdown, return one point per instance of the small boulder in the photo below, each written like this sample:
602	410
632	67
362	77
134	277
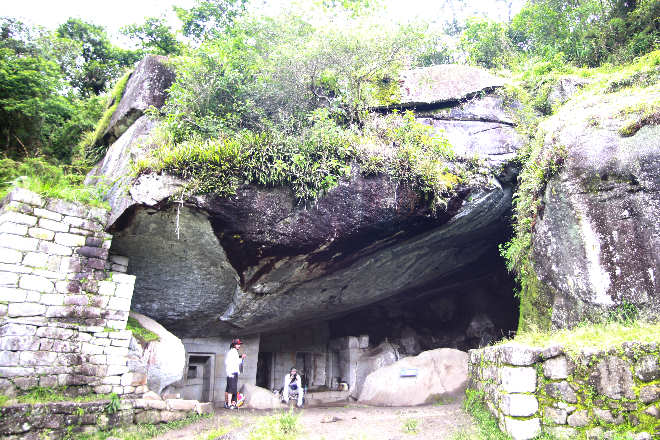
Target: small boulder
165	358
437	373
260	398
371	360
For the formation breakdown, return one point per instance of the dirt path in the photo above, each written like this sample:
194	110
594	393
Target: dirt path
351	422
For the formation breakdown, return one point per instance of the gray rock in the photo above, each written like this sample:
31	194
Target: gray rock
518	380
444	83
653	411
518	354
561	390
613	378
146	87
579	418
561	432
260	398
243	260
597	239
439	373
522	429
519	405
381	356
481	328
649	393
564	90
557	368
410	342
599	433
165	358
647	368
606	416
556	416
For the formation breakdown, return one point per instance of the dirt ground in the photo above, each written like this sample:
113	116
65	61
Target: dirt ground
350	422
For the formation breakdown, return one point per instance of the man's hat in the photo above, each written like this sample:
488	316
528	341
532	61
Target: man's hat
236	341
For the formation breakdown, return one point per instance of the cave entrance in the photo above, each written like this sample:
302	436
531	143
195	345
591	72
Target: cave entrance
264	369
199	377
470	308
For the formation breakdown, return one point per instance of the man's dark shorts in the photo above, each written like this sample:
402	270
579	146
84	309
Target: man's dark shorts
232	384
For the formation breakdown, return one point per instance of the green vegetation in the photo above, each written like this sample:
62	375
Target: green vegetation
49	180
410	426
140	333
597	336
50	394
143	431
314	161
486	425
625	94
283	426
92	144
214	433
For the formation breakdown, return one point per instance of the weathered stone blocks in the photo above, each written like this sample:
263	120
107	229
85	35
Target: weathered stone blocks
49	296
520	405
522	429
613	378
518	380
557	368
647	368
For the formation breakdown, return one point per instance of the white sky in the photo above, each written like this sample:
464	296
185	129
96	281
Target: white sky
117	13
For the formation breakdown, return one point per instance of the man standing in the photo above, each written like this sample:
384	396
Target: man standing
233	364
292	386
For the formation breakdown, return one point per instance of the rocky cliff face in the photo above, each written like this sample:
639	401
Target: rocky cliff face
257	260
596	241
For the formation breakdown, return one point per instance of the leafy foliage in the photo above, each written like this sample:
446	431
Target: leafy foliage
99	62
154	36
209	19
49	180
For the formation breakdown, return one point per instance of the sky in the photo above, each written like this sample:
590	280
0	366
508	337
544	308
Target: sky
117	13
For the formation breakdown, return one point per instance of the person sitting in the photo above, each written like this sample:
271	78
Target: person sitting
292	387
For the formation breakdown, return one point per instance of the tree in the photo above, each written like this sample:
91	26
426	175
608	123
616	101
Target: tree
485	43
209	19
155	36
38	111
99	62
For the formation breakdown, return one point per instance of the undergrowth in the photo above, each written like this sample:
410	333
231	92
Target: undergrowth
486	425
140	333
50	180
316	159
92	144
142	431
283	426
50	394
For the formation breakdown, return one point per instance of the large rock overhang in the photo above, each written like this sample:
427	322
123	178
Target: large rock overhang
247	268
259	261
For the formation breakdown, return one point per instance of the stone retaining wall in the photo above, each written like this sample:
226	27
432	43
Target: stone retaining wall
64	301
586	395
56	420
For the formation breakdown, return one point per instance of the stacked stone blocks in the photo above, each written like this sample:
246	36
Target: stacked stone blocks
591	395
52	420
64	300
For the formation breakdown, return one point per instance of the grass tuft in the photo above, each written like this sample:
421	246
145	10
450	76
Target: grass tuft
283	426
50	394
140	333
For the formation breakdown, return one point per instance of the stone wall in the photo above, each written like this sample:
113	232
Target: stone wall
64	301
584	395
58	419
